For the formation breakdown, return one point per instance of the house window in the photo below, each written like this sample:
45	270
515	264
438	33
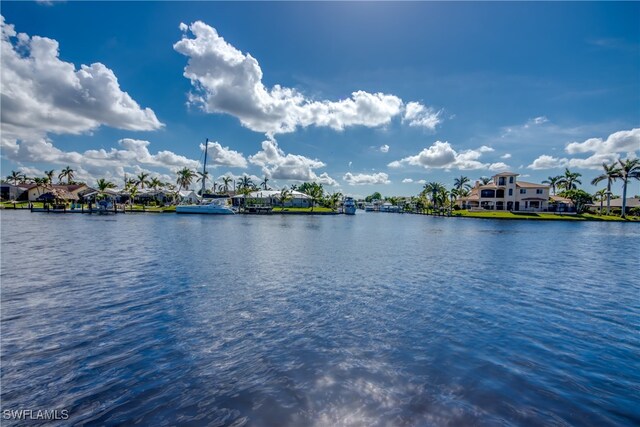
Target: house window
501	180
523	191
510	180
487	193
539	191
511	191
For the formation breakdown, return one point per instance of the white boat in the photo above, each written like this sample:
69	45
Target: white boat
349	206
368	207
215	206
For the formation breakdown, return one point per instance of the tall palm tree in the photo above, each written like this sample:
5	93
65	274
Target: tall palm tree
316	192
49	175
611	173
226	180
485	180
333	199
264	182
155	183
141	180
16	177
203	177
553	182
599	196
434	188
185	178
462	182
284	196
569	179
103	184
245	182
629	169
133	192
68	173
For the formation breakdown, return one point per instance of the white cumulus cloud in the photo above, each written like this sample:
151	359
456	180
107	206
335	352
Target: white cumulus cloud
42	94
603	151
226	80
384	148
278	165
441	155
363	179
407	181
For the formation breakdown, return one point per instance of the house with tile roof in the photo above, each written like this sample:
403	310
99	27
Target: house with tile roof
506	192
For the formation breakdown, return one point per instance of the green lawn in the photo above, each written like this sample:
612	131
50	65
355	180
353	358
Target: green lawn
20	205
317	209
540	216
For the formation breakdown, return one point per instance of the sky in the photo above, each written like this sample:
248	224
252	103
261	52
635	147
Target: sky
358	96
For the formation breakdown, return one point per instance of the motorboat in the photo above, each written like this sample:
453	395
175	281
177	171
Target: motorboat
349	206
216	206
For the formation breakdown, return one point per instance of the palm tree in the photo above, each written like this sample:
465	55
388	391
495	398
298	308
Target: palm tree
245	182
284	196
316	192
569	179
434	188
155	183
264	183
294	187
68	173
454	194
203	177
485	180
16	177
611	173
629	169
133	192
226	180
103	184
40	182
333	199
185	178
553	182
462	182
141	180
49	175
599	196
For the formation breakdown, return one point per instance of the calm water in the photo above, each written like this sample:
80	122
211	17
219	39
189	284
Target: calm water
377	319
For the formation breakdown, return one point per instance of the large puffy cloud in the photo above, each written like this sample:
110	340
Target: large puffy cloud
364	179
132	156
278	165
42	94
441	155
225	80
603	151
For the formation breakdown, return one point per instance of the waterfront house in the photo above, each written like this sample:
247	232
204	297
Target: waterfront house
632	202
71	192
272	198
13	192
506	192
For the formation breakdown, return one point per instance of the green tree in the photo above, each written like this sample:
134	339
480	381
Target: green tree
155	183
245	182
226	180
600	196
264	182
66	173
569	179
580	199
629	169
374	196
16	177
611	173
284	196
485	180
185	178
433	188
49	175
141	180
553	182
332	200
313	190
462	182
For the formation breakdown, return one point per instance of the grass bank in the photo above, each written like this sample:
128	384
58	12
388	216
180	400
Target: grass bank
315	210
541	216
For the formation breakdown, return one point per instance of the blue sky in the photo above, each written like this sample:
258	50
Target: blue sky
360	96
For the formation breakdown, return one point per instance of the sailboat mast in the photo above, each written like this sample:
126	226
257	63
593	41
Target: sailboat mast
204	166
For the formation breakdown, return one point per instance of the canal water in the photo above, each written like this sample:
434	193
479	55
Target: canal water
372	319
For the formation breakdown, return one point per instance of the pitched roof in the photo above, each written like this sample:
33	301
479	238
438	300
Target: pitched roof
506	174
530	185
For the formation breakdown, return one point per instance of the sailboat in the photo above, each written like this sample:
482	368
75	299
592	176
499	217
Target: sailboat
215	206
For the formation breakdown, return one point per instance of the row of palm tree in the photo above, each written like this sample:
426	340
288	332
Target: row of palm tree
17	177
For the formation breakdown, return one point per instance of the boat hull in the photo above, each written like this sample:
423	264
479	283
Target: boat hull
203	209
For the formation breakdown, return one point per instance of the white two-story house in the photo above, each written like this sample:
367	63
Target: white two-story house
506	192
